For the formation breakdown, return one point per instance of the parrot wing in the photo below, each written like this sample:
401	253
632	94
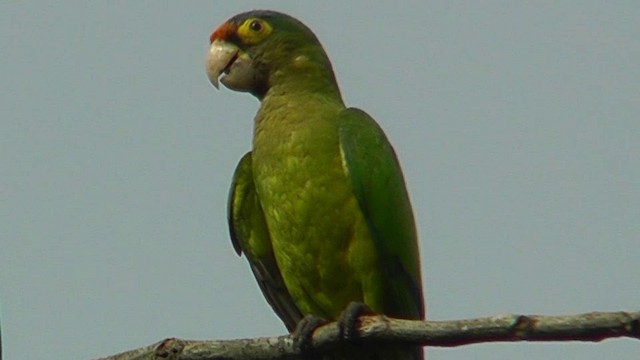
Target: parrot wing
250	235
379	187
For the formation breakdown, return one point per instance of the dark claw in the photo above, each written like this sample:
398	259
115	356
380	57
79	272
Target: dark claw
303	333
348	321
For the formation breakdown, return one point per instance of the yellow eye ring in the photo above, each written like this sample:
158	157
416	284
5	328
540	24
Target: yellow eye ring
254	30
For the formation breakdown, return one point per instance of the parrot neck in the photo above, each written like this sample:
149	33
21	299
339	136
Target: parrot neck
304	74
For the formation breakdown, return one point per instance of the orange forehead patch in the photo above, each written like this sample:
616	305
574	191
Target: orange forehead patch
223	32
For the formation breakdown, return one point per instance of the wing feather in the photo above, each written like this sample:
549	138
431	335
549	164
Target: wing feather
379	187
250	235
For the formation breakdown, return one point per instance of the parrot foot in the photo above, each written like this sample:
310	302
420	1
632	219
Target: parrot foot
348	321
303	333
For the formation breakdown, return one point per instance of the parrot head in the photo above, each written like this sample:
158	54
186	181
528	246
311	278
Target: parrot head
255	50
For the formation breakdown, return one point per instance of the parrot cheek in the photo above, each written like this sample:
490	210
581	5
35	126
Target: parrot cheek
241	75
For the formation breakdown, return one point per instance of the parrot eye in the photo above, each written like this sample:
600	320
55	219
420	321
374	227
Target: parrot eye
255	26
254	30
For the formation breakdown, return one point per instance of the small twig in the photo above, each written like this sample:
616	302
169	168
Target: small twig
595	326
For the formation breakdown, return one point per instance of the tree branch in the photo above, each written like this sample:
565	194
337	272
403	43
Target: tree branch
595	326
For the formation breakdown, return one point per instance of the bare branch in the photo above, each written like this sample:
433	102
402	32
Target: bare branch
595	326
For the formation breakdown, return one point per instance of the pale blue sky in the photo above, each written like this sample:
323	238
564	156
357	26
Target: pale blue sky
517	126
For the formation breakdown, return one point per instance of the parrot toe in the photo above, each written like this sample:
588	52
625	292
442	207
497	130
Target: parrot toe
303	333
348	321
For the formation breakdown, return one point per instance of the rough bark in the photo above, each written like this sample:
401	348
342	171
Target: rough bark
595	326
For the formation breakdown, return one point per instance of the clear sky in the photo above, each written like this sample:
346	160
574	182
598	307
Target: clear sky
516	124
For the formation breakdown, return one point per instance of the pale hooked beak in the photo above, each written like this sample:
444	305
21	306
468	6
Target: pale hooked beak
236	65
220	57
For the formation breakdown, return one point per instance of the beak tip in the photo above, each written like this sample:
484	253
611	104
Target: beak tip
213	78
213	73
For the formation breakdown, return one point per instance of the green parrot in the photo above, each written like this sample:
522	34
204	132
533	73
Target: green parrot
319	205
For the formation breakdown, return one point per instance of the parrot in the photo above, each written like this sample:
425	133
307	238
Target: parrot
319	205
